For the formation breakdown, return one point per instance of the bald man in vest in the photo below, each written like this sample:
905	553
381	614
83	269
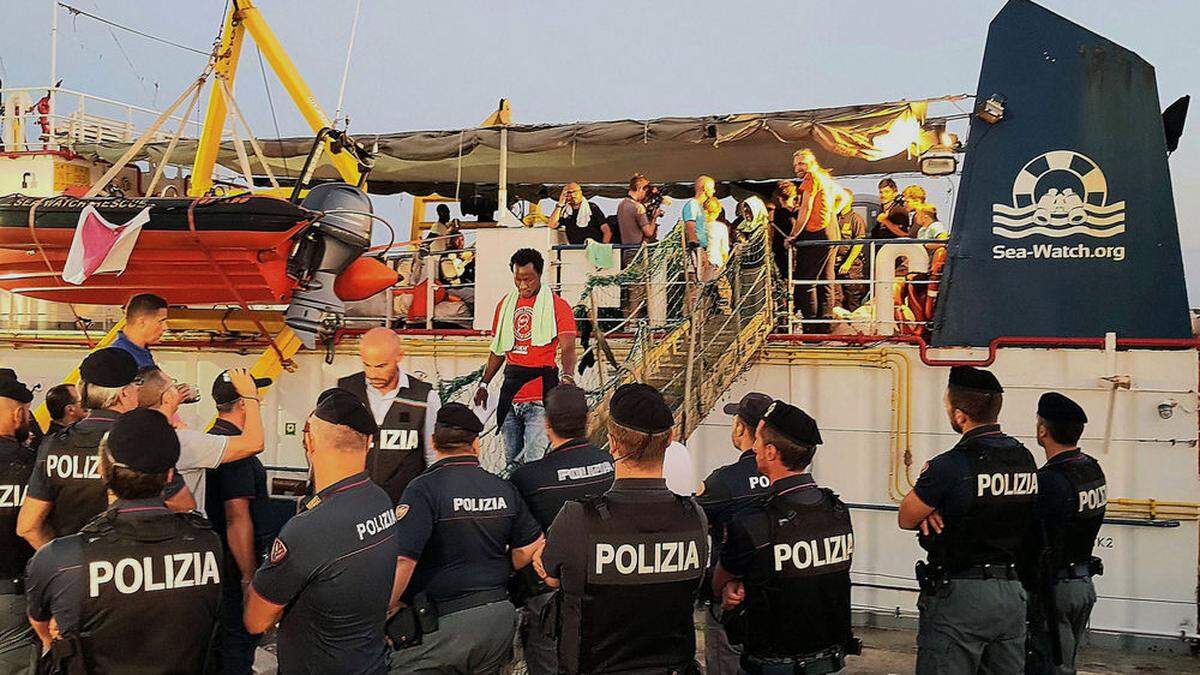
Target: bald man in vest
404	408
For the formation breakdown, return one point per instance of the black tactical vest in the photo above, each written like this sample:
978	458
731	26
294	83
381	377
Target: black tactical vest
798	587
14	551
1091	497
73	468
635	613
997	527
397	452
152	592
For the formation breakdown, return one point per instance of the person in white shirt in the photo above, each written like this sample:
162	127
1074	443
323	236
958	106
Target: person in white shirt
404	407
678	469
198	450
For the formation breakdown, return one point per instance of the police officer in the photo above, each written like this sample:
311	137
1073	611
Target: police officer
403	406
974	505
462	532
629	562
66	490
573	468
1072	494
330	569
785	564
137	590
240	512
18	653
727	490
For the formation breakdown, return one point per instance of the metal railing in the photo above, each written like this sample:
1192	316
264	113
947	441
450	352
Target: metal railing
878	287
75	118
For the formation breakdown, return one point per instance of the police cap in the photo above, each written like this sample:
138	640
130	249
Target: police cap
144	441
1054	407
338	406
224	392
751	408
459	416
15	389
793	423
977	379
109	367
640	407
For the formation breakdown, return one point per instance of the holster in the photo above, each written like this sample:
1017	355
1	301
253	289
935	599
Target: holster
409	625
736	622
65	657
930	578
524	584
1095	566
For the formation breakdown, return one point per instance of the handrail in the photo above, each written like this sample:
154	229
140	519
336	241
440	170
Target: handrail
993	346
1153	522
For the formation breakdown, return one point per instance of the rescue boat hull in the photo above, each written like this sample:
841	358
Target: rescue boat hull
205	251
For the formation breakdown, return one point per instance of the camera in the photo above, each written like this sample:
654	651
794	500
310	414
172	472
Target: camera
654	199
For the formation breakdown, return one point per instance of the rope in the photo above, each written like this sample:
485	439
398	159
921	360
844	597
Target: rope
79	12
212	261
55	276
183	119
337	113
287	171
239	117
143	139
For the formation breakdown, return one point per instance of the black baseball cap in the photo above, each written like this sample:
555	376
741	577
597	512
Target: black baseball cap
751	408
15	390
144	441
793	423
640	407
459	416
338	406
109	367
224	392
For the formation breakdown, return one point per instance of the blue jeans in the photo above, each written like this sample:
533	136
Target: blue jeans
524	432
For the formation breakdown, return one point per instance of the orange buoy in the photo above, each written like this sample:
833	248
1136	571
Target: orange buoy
363	278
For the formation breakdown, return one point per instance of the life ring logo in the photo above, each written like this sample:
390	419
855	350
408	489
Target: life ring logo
1059	194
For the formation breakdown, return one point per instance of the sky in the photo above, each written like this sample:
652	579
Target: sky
443	65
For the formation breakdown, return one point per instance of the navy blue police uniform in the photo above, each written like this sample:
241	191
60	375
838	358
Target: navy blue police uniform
460	524
723	493
333	566
67	473
243	479
637	546
573	470
18	654
972	602
121	587
792	548
1072	497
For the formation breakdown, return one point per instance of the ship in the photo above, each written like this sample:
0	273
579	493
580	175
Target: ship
1063	229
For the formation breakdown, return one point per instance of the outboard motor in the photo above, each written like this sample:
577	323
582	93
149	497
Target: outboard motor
324	250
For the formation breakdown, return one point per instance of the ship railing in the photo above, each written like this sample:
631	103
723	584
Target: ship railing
887	262
77	118
416	265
